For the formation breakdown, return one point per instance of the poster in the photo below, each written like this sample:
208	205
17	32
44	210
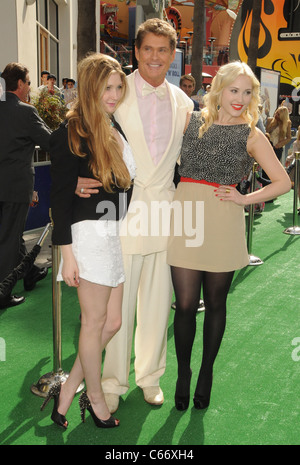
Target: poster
279	44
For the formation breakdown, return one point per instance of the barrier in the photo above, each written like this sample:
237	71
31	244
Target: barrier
46	381
295	229
253	260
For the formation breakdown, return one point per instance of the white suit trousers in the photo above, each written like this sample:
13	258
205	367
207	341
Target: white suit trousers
147	294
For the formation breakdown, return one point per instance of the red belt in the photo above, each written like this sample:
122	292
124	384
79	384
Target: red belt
202	181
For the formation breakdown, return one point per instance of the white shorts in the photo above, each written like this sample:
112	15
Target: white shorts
98	253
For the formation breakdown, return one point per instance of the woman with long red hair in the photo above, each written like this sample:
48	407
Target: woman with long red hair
90	144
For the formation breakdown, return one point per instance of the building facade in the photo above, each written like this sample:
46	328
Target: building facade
41	34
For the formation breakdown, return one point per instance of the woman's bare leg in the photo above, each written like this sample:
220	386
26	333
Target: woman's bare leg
100	320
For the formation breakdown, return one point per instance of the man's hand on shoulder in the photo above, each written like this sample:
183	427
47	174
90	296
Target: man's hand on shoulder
86	187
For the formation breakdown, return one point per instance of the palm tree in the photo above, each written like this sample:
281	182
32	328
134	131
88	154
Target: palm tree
198	42
86	28
254	34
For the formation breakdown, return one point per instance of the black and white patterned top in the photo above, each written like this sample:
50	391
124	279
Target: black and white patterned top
219	156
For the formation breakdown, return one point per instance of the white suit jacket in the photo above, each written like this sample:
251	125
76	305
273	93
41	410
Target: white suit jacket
145	229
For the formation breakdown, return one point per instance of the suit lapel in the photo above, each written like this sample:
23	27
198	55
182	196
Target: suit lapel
133	128
173	116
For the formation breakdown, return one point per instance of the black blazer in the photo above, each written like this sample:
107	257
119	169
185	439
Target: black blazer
21	129
66	207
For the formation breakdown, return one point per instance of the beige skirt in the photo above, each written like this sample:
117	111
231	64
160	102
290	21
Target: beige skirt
206	233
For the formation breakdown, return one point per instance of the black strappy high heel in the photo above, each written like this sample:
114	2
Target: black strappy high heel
56	417
85	404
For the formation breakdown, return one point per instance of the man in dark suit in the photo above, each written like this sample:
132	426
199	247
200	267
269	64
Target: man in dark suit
21	129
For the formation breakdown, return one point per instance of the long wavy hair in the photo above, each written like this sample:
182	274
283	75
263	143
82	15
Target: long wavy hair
224	77
87	120
284	121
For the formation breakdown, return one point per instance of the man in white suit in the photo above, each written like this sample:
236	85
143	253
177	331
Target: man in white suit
153	118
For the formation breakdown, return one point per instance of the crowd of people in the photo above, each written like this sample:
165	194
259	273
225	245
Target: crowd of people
114	157
67	92
48	84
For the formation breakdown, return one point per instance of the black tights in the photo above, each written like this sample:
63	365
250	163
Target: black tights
187	286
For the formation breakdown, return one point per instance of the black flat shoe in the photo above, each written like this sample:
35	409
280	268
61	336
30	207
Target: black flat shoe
182	401
56	417
84	404
11	301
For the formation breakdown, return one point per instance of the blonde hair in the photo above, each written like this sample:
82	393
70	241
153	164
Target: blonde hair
88	120
224	77
284	121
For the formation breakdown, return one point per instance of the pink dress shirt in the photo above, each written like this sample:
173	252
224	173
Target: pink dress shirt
156	116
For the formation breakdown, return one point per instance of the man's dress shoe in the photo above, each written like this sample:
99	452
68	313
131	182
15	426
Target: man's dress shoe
11	301
153	395
112	401
33	277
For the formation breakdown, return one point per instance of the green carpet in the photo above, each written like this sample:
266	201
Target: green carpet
256	377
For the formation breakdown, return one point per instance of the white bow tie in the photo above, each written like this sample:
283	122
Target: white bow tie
159	91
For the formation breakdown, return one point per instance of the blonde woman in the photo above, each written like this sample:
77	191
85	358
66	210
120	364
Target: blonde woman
295	148
290	161
219	147
278	130
90	145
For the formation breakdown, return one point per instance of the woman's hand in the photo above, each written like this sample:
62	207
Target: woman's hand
70	272
230	193
261	150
